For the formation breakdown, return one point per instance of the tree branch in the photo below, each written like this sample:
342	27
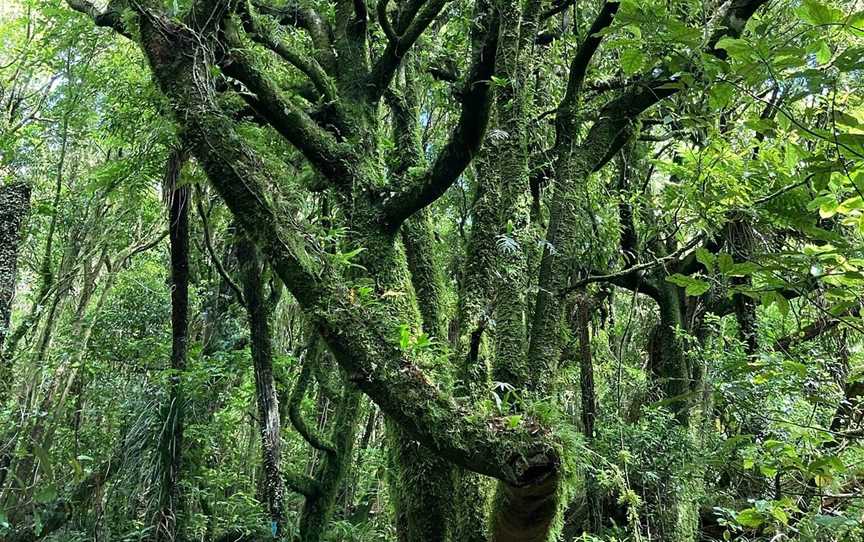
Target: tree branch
384	21
636	269
612	130
208	244
305	485
579	64
399	44
296	416
322	150
310	67
815	329
464	141
110	18
309	20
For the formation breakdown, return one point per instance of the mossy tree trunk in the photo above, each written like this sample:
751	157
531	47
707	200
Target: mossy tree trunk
14	207
259	309
422	482
344	151
171	435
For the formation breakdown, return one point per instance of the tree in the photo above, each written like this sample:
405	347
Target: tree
486	212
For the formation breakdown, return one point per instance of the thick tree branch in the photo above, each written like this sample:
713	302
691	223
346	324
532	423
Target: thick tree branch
579	64
386	66
110	18
628	278
305	485
612	129
292	14
308	66
384	21
815	329
322	150
464	141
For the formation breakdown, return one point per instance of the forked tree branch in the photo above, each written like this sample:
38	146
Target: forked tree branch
399	42
326	155
464	141
310	67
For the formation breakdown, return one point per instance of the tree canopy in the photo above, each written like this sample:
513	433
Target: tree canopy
430	270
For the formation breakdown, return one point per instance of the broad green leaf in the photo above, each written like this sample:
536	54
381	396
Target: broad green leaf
692	286
632	61
820	50
736	47
817	13
720	95
725	262
513	421
46	494
750	517
706	258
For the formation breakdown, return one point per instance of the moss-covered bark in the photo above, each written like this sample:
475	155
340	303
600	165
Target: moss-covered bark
329	474
171	437
14	207
259	312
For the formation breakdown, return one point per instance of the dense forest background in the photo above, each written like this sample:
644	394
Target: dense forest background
468	271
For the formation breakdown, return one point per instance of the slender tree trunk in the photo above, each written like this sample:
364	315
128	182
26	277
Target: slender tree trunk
45	270
52	404
171	437
258	311
14	207
331	470
589	406
57	513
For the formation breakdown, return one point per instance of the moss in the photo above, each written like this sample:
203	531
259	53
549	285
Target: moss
330	473
422	486
426	276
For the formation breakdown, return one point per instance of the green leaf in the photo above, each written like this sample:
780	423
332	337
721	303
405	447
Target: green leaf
46	494
767	471
706	258
780	515
513	421
736	47
720	95
44	460
820	50
692	286
725	262
828	209
750	517
632	61
404	337
823	480
817	13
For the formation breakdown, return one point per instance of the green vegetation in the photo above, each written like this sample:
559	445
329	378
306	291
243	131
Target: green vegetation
419	270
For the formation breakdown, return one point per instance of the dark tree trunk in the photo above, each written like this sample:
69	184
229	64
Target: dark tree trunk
258	309
14	206
589	406
171	440
330	472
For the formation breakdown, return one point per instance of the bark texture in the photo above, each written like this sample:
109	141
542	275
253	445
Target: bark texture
14	207
171	437
258	311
